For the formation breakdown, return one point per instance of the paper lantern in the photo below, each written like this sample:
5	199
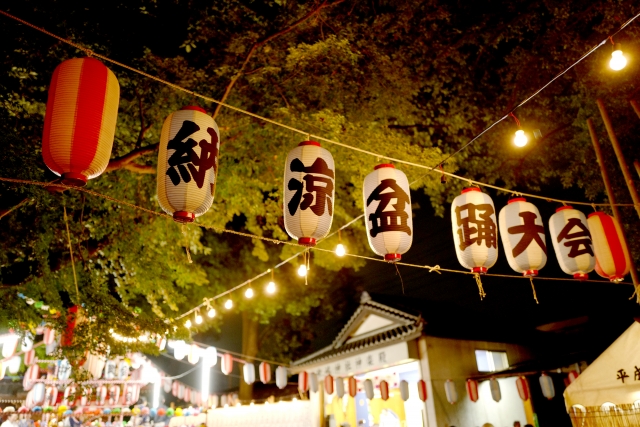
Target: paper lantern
32	373
387	212
368	388
114	395
522	232
303	382
69	396
422	390
86	396
328	384
64	369
309	192
450	391
174	388
123	370
546	384
612	255
384	390
494	385
188	163
249	373
30	357
50	396
13	364
572	242
265	372
281	377
472	390
475	232
210	356
73	316
226	364
404	390
38	393
522	384
187	394
102	392
80	121
194	354
27	342
95	365
161	343
339	387
3	367
573	375
181	391
214	400
313	382
352	385
10	345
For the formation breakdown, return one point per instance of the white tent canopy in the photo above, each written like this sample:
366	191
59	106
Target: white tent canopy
614	377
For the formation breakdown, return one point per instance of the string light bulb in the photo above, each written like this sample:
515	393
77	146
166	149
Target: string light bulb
248	293
302	270
340	250
188	323
198	318
212	312
520	139
618	61
228	304
271	288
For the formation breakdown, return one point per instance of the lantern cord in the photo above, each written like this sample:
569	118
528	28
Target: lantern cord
515	118
535	297
480	288
186	239
400	276
73	264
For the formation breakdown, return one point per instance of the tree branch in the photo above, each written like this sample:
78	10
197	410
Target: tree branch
5	212
126	161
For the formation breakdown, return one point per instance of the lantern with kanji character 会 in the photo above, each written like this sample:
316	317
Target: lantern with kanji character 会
188	163
387	212
572	242
612	255
309	192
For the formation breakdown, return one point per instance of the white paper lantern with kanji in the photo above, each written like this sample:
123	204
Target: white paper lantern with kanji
249	373
187	163
612	255
494	385
309	192
265	372
281	377
450	391
64	369
387	212
102	392
523	239
38	393
475	231
572	242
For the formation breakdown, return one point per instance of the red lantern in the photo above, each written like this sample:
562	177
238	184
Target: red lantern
72	318
30	357
303	382
33	373
384	390
522	384
573	375
612	255
328	384
472	390
265	372
226	365
422	390
80	121
353	386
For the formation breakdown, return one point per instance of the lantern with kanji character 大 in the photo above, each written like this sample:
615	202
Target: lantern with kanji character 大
387	212
188	163
522	232
80	122
612	255
475	232
309	192
572	242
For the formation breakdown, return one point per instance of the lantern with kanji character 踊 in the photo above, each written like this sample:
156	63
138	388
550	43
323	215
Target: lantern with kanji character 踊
188	163
80	121
309	192
572	242
475	232
387	212
522	232
612	255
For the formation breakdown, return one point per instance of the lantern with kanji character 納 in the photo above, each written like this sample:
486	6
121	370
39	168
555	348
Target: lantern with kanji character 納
522	233
188	163
80	122
387	209
309	192
572	243
475	232
612	255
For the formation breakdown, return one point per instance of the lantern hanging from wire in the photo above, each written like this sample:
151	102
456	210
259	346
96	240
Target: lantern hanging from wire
281	377
368	388
384	390
522	384
309	192
313	382
451	392
494	385
303	382
422	390
188	163
612	255
572	242
404	390
573	375
352	385
339	387
472	390
475	232
249	373
523	239
546	384
226	363
328	384
80	121
265	372
387	212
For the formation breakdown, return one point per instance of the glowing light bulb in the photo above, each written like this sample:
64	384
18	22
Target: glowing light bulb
340	250
211	312
618	61
302	270
248	293
198	319
521	139
187	323
271	288
228	304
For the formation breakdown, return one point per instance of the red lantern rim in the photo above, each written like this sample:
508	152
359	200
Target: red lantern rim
307	241
581	276
563	208
74	179
597	214
516	199
314	143
393	257
194	108
479	270
184	216
468	189
530	273
383	165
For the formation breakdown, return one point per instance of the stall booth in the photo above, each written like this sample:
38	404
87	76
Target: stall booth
607	393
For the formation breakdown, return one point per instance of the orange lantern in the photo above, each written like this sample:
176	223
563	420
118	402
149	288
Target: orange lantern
80	121
612	255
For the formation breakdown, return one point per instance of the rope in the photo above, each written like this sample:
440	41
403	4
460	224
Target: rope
535	297
73	264
480	288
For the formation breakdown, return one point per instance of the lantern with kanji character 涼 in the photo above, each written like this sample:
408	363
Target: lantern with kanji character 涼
387	212
309	192
572	242
475	232
80	121
612	255
188	163
522	233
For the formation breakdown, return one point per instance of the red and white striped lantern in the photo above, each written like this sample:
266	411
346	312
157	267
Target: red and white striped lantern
265	372
80	122
612	255
328	384
32	373
114	395
181	391
50	396
174	388
30	357
451	392
522	384
86	396
101	395
572	242
353	386
573	375
422	390
226	364
303	382
167	385
69	396
546	384
187	394
28	401
384	390
472	390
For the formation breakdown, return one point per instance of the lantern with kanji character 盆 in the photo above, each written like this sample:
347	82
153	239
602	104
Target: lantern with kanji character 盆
572	242
475	232
309	192
188	163
80	122
612	255
387	212
522	233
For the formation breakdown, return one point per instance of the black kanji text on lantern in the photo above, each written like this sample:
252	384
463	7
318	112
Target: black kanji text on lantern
320	186
485	226
579	241
530	233
184	155
389	220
